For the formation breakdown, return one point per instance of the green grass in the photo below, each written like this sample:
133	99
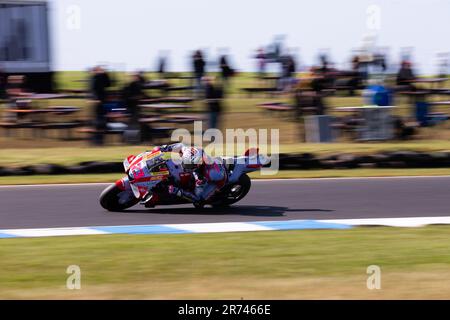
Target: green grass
282	264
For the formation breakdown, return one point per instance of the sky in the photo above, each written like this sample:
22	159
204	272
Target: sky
130	35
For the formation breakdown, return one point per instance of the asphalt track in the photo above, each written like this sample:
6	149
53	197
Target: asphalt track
77	205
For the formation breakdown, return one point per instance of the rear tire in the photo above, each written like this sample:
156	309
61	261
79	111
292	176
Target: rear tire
233	193
109	199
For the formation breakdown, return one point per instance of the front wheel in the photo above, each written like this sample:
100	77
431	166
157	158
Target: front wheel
114	199
233	193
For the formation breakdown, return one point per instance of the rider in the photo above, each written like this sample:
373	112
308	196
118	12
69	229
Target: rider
209	173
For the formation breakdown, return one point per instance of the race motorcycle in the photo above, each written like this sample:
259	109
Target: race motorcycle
153	171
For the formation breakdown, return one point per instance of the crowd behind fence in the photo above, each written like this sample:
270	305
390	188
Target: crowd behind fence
146	108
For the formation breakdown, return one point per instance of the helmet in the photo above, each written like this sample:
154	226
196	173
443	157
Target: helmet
191	157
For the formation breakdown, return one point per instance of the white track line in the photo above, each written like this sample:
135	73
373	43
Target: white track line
392	222
224	227
218	227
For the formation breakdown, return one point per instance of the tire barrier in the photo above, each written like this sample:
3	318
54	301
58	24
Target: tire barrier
292	161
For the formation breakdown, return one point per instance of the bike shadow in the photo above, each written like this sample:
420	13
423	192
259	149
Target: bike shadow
260	211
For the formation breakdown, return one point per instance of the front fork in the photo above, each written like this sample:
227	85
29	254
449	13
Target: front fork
126	193
138	192
123	184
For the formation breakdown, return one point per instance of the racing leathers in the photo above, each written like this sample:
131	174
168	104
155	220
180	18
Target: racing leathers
209	174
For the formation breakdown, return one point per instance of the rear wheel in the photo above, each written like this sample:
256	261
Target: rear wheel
111	200
233	193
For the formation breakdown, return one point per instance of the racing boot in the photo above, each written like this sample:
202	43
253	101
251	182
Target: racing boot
198	202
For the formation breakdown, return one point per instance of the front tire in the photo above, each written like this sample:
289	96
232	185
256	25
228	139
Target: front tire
109	199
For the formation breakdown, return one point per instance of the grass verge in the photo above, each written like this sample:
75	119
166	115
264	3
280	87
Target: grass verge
286	174
326	264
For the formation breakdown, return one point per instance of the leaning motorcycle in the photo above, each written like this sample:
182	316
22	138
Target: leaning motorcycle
152	171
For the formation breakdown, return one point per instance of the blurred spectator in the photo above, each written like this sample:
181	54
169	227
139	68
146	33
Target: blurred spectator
275	50
132	94
319	80
162	66
323	77
99	83
213	96
199	71
405	76
292	65
324	64
226	72
261	62
355	63
288	70
357	77
364	62
380	62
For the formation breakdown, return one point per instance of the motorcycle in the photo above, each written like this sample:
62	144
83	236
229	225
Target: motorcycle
153	171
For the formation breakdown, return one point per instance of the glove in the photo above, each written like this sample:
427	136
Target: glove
164	148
